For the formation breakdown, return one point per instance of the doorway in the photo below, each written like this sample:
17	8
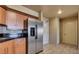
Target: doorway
68	30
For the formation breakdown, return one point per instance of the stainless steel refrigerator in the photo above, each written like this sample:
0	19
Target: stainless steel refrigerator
35	36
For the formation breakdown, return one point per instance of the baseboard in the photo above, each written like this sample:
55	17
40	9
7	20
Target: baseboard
69	44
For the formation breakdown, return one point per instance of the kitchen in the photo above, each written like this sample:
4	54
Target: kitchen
14	26
29	29
39	29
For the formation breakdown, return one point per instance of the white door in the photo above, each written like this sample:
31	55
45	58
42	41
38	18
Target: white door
69	31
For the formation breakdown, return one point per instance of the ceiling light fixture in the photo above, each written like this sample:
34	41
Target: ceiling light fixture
59	11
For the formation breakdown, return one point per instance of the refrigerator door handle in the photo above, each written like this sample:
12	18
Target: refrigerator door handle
36	34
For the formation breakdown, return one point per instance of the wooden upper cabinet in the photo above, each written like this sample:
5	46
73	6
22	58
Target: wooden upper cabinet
11	20
2	16
20	21
15	20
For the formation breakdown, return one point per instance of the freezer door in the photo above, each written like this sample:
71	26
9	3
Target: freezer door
39	39
35	36
31	37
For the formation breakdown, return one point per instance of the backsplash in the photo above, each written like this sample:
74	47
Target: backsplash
3	29
13	31
10	33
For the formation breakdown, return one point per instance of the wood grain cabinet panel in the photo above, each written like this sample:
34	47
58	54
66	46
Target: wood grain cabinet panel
15	20
2	16
7	47
20	46
17	46
2	48
20	21
11	20
10	47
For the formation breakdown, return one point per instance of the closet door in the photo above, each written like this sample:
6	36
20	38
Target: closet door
69	31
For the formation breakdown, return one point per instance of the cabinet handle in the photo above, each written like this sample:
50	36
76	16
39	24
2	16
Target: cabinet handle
13	49
6	50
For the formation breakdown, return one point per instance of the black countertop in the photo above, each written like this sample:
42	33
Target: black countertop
13	35
7	38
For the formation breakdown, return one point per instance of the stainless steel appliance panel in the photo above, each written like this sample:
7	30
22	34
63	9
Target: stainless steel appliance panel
31	36
35	36
39	40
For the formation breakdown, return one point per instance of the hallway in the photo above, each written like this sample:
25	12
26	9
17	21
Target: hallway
60	26
60	49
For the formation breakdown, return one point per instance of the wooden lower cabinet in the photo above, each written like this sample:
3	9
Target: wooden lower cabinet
10	47
20	46
2	48
16	46
6	47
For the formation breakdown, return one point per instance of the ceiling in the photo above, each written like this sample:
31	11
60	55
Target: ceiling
51	10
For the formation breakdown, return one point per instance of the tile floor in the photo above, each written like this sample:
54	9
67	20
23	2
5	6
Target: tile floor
60	49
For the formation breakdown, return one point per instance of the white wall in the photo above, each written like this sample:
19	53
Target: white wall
46	31
54	30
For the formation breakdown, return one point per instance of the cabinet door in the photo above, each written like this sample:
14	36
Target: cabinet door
2	48
10	47
11	20
20	21
15	20
7	47
2	16
20	46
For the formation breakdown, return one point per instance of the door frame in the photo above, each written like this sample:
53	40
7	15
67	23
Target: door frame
62	19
